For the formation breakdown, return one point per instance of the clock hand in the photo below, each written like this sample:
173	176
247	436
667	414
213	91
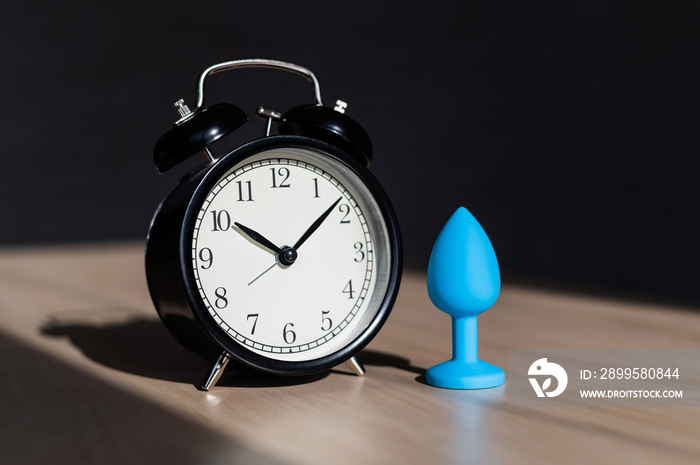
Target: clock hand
286	258
316	224
285	255
259	238
268	269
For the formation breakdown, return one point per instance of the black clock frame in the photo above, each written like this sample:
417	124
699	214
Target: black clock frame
171	279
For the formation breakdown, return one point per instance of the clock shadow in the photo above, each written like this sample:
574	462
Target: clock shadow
383	359
144	347
139	346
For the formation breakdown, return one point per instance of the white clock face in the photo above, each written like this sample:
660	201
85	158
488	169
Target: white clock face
290	255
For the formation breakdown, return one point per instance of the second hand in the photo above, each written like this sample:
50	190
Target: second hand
258	276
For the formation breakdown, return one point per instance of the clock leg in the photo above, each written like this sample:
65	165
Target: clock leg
216	369
356	366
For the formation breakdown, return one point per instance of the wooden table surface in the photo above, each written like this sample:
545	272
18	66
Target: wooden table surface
88	374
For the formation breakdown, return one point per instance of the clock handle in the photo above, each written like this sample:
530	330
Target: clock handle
255	63
197	129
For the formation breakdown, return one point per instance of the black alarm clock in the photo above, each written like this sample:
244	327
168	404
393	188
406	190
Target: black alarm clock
283	254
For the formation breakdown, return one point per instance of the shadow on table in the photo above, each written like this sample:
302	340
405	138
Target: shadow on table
144	347
140	346
382	359
55	413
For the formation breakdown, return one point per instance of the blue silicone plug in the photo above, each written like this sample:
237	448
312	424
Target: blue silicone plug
464	281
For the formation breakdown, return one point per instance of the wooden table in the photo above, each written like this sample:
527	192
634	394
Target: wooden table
89	375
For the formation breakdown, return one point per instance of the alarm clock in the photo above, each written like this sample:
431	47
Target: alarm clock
284	254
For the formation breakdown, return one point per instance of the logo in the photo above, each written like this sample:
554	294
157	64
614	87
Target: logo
542	367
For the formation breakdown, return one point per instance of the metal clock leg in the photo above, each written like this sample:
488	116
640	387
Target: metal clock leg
216	369
356	366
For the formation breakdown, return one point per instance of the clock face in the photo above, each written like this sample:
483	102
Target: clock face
290	255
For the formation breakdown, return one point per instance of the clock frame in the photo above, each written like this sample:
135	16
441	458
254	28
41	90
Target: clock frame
337	142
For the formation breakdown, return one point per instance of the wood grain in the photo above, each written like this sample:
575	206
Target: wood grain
89	375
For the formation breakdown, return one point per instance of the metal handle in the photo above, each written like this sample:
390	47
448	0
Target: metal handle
256	63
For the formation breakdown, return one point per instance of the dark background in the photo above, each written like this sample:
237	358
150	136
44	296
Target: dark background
569	129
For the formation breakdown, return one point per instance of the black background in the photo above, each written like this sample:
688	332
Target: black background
569	129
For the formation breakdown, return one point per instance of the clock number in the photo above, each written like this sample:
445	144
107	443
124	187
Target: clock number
280	172
348	289
358	251
207	257
325	319
221	300
240	191
289	335
316	196
222	220
255	321
344	208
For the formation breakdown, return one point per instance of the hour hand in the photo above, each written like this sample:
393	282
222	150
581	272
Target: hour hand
259	238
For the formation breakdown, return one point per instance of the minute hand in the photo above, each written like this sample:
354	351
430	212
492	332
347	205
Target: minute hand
316	224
